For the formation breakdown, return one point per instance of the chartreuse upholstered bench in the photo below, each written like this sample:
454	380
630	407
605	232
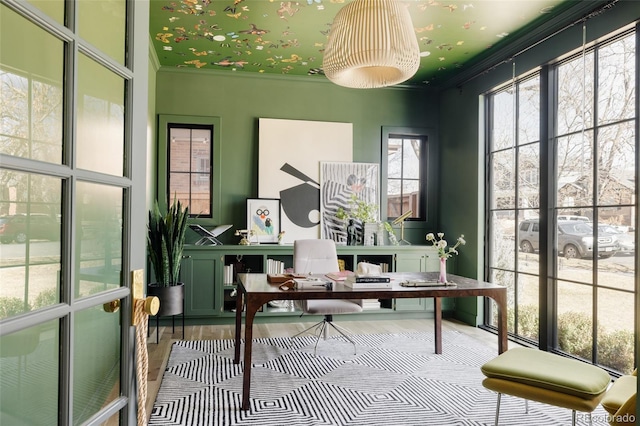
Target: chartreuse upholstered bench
540	376
620	400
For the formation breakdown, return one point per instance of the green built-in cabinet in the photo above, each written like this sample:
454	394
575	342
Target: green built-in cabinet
416	261
210	292
202	286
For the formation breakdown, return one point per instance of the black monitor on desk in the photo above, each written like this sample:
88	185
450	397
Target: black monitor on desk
209	237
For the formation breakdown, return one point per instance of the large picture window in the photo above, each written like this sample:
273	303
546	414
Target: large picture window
567	237
595	151
514	198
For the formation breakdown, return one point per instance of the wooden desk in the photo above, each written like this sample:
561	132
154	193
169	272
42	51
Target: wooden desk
255	291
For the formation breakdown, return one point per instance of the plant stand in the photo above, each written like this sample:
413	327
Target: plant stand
171	304
173	325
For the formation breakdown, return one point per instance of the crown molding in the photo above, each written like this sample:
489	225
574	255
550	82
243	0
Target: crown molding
153	56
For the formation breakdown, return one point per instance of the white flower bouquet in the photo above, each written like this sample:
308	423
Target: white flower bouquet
441	244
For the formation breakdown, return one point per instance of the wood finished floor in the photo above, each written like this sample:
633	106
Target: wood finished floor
159	352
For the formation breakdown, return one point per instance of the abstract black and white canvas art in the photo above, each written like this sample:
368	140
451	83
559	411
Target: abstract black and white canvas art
290	153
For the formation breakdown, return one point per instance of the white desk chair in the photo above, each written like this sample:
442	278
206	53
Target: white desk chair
319	256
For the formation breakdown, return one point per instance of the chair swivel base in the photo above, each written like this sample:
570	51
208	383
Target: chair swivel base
321	329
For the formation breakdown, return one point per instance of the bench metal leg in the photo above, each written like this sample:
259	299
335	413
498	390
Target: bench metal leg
573	418
526	410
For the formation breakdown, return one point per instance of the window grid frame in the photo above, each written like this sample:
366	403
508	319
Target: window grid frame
191	173
422	191
548	339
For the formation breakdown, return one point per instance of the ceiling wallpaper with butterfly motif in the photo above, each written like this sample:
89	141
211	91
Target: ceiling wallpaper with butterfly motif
288	37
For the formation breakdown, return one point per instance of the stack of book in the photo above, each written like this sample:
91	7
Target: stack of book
275	266
228	274
340	275
367	281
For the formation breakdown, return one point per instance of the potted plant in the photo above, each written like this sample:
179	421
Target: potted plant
165	243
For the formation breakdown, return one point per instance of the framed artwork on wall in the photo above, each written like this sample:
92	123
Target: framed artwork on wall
263	219
290	152
341	185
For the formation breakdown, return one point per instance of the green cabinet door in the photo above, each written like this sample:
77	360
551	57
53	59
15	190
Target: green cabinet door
201	295
415	261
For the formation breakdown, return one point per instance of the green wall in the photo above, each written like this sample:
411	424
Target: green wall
240	100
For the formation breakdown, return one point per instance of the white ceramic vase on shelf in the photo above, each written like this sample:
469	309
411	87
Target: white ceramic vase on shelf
370	231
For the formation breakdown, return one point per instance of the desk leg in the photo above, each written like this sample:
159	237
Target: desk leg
437	305
239	308
501	301
248	342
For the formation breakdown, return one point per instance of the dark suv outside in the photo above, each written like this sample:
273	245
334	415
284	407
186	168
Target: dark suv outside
575	239
41	227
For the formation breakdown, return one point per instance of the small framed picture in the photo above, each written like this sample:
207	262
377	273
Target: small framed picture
263	219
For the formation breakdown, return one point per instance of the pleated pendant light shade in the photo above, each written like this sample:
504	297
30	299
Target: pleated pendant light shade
371	44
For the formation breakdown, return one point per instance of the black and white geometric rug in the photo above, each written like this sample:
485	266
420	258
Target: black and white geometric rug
394	379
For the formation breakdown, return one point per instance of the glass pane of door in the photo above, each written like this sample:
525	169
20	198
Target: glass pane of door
103	24
53	8
100	118
96	359
30	90
30	234
29	370
99	243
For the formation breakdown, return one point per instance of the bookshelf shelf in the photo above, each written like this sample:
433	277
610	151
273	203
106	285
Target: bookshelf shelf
210	273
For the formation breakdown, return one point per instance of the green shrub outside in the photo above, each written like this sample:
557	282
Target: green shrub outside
615	350
10	306
528	324
575	336
45	298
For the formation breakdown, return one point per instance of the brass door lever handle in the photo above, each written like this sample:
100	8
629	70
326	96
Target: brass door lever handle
151	305
112	307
